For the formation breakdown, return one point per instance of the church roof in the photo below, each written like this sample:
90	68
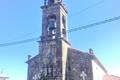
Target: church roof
111	77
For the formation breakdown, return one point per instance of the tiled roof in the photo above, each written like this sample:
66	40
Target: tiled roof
111	77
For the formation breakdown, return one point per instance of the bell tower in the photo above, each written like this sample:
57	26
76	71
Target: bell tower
54	19
54	40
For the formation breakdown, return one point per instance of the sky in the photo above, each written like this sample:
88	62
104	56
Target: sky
21	19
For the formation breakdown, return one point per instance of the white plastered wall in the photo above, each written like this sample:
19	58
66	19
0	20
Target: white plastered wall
65	47
98	72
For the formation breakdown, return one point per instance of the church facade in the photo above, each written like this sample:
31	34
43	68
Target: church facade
57	60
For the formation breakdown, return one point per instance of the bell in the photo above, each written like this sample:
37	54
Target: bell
50	2
52	24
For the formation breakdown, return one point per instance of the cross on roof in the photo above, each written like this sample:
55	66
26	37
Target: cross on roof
83	75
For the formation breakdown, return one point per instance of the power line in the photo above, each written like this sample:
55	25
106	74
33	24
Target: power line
69	31
94	24
19	42
89	7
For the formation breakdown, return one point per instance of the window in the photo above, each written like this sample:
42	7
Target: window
52	22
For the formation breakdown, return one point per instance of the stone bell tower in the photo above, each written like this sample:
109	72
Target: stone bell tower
54	19
54	39
50	63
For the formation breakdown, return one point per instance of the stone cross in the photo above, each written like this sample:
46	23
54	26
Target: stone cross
83	75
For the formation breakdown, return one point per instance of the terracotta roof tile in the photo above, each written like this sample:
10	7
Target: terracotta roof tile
111	77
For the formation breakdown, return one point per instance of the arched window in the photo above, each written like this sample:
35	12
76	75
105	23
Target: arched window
63	21
52	22
50	2
64	25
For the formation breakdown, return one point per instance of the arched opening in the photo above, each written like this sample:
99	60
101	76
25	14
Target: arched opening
64	26
52	22
50	2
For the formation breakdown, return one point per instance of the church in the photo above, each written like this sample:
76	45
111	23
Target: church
57	60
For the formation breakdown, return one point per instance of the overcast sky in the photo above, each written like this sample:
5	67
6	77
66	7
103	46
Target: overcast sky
21	19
